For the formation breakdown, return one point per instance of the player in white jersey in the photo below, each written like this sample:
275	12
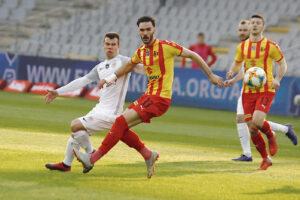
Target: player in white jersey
243	131
105	112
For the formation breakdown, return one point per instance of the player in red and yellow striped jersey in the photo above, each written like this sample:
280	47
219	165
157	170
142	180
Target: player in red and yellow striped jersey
260	52
158	59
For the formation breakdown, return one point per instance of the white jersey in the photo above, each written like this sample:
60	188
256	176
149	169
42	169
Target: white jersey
112	98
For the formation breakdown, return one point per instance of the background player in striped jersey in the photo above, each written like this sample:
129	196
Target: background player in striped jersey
105	112
157	57
243	131
261	52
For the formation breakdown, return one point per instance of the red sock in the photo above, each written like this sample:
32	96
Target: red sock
96	156
146	153
132	140
116	133
266	129
260	144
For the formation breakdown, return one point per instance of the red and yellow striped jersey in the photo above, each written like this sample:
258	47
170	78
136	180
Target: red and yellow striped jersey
158	61
260	54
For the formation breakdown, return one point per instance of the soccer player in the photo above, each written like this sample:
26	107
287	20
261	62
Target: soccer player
105	112
157	57
260	52
243	131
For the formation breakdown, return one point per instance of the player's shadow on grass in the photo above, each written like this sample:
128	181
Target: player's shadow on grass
170	169
283	190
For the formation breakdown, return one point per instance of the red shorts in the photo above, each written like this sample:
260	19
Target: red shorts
256	101
149	106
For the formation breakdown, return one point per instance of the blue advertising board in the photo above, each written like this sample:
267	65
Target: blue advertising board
190	87
52	70
8	66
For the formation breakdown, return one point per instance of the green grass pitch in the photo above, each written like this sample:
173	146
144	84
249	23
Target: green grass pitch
195	145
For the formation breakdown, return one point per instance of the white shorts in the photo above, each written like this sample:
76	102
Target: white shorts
239	108
96	121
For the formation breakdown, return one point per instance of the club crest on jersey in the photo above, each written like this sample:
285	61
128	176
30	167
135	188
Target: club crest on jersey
106	66
262	49
253	48
147	53
155	53
252	62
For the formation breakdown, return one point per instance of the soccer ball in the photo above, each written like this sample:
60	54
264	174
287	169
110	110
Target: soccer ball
255	78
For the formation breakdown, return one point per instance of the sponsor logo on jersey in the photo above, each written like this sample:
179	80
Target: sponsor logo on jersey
153	77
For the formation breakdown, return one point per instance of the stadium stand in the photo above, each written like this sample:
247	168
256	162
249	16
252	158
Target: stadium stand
82	31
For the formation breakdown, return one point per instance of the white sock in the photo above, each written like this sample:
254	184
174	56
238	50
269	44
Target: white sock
69	156
278	127
244	138
83	139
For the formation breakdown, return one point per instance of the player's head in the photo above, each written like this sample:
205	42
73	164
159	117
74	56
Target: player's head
146	29
257	24
243	30
111	44
201	38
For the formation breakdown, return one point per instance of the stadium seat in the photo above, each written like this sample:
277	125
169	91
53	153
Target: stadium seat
4	13
18	15
10	4
28	4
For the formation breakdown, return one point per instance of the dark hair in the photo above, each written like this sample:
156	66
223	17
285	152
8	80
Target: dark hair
259	16
244	21
112	35
201	34
146	19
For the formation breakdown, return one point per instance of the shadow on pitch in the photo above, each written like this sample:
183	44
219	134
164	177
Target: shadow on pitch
283	190
169	169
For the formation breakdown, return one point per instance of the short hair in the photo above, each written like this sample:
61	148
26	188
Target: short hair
146	19
200	34
259	16
244	21
112	35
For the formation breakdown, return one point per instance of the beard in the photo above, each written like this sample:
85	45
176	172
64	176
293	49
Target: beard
149	39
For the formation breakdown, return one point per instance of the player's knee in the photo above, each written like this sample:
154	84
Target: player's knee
240	119
257	123
75	126
252	128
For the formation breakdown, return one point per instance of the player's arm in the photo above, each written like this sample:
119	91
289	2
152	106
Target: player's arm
73	85
238	77
281	72
139	69
214	79
125	69
234	68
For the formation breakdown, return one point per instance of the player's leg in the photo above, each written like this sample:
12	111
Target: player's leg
260	122
243	132
286	129
249	103
122	124
79	138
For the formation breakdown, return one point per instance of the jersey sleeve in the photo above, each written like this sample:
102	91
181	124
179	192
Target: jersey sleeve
238	54
275	52
135	59
174	48
93	74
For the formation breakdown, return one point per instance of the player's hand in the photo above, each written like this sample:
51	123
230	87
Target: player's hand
101	83
50	96
229	75
275	84
216	80
228	83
